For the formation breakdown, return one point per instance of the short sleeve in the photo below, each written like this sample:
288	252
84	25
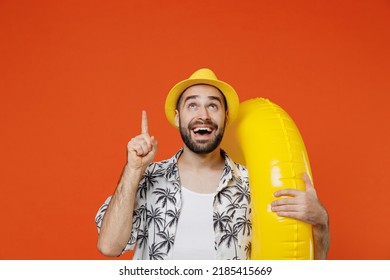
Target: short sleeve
139	217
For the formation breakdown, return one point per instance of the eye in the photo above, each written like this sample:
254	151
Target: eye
192	106
213	106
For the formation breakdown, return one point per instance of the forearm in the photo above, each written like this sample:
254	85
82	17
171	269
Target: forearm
321	239
116	225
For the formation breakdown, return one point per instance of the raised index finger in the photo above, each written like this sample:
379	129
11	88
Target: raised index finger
144	123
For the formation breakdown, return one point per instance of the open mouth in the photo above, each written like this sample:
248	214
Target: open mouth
202	130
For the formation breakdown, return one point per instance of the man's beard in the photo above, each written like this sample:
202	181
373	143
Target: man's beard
200	147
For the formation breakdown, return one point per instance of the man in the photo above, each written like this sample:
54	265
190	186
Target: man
195	205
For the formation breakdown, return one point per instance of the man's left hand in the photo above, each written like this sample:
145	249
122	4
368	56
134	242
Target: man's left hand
300	205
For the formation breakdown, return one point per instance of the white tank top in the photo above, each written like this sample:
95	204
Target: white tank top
195	233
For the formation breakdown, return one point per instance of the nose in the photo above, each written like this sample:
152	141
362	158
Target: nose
204	113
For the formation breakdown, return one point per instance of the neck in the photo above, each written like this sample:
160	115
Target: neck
212	160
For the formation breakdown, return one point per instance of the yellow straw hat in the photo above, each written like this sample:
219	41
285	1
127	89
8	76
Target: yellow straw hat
202	76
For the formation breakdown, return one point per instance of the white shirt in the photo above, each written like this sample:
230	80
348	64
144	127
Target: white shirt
195	233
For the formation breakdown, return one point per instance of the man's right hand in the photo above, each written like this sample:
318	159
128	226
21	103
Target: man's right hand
117	221
142	149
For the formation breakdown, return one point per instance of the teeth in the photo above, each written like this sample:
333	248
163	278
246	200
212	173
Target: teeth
202	128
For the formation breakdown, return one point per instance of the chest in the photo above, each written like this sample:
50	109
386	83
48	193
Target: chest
201	182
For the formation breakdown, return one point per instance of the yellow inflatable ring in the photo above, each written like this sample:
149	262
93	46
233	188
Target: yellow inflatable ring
266	140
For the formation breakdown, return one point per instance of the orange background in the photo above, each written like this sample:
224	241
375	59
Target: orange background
75	76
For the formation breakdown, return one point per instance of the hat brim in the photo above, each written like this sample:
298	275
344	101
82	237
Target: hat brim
230	94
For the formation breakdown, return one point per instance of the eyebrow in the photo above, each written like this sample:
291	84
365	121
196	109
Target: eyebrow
209	97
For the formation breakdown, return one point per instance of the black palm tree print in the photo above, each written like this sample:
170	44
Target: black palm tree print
155	216
220	220
174	218
155	253
167	240
230	238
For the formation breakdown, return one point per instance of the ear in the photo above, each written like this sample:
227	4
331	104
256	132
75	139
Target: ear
177	118
226	117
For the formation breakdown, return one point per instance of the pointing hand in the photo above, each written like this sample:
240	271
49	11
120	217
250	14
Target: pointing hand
141	149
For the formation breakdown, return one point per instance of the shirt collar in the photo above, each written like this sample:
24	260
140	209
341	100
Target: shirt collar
172	171
229	172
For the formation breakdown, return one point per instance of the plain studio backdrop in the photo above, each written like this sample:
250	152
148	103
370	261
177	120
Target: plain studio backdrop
75	75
